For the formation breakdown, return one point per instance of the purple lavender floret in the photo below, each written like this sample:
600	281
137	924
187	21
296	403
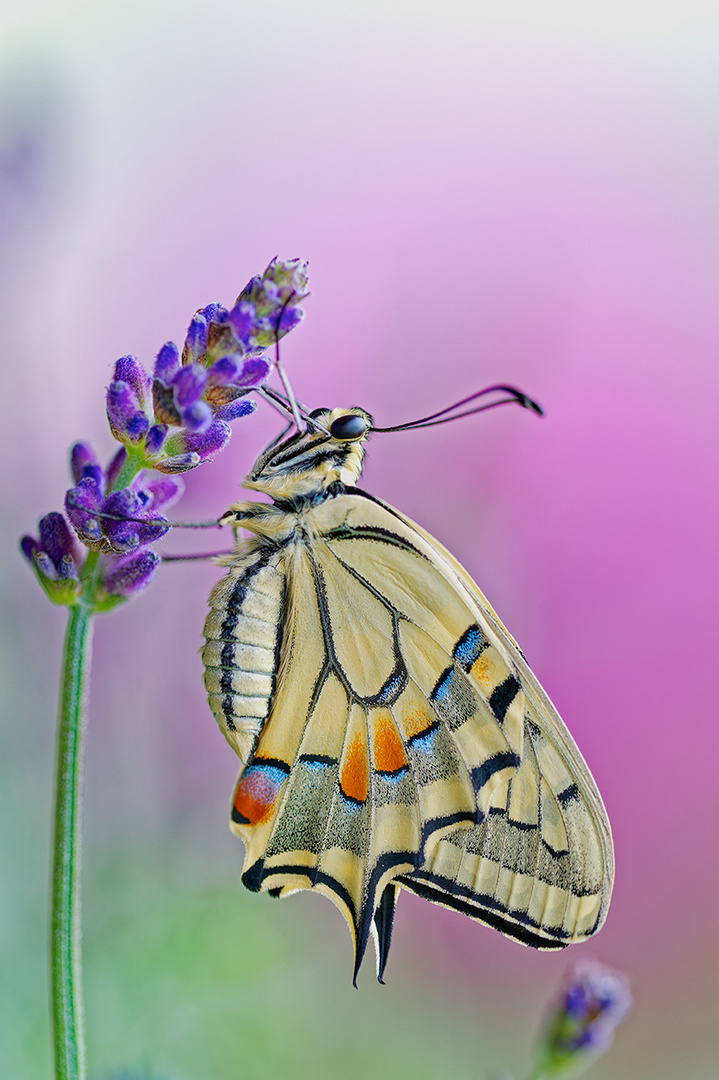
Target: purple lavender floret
120	513
125	414
155	439
167	362
595	1000
121	520
130	574
128	369
55	557
203	445
196	340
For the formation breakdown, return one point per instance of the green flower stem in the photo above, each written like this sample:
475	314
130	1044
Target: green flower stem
68	1013
65	936
134	463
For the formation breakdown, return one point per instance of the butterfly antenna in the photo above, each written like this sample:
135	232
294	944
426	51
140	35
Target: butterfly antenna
197	557
281	371
287	402
218	524
278	401
444	416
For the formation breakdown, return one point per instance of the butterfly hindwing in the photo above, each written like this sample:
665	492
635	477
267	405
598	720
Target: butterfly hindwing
407	743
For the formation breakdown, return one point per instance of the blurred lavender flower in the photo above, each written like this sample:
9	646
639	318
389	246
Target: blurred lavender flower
595	999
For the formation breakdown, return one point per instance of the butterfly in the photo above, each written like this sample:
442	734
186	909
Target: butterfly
392	733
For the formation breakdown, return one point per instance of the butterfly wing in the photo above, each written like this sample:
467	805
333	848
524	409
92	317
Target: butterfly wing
540	865
409	745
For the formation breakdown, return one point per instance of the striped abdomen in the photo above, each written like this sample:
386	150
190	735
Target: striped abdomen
243	634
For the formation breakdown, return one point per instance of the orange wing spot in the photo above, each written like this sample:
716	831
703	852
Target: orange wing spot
354	778
257	794
415	721
483	669
387	749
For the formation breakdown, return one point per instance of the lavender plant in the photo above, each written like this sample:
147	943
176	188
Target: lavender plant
167	425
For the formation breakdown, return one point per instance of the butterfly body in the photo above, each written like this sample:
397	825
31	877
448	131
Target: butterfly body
392	733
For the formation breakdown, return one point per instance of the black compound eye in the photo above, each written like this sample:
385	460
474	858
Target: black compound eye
349	426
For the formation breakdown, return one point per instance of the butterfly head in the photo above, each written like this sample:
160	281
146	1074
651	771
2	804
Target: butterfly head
308	462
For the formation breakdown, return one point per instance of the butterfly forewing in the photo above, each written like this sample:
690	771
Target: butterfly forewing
393	732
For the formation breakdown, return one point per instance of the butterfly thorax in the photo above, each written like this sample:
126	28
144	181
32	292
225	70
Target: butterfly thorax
300	473
304	467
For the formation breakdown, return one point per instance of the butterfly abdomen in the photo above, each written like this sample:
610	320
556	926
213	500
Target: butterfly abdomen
243	634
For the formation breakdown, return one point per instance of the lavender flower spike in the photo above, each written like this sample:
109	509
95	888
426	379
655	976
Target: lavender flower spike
595	999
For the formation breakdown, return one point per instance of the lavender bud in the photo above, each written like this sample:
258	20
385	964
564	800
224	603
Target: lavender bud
243	317
28	546
131	574
254	372
225	370
82	504
55	558
209	442
129	369
196	340
197	416
56	538
155	438
127	523
46	566
94	473
137	427
81	455
167	363
161	492
189	383
123	406
290	318
235	409
214	313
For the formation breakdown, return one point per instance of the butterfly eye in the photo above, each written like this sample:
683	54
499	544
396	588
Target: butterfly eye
349	426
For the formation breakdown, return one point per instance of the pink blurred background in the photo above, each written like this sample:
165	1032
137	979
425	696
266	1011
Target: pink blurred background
515	193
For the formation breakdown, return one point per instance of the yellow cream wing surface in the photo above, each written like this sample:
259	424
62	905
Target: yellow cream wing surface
547	841
407	744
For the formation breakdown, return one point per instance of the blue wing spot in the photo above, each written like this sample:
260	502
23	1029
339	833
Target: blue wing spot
424	740
470	646
442	692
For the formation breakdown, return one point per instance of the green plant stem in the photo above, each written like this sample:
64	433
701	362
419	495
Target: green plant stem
65	932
